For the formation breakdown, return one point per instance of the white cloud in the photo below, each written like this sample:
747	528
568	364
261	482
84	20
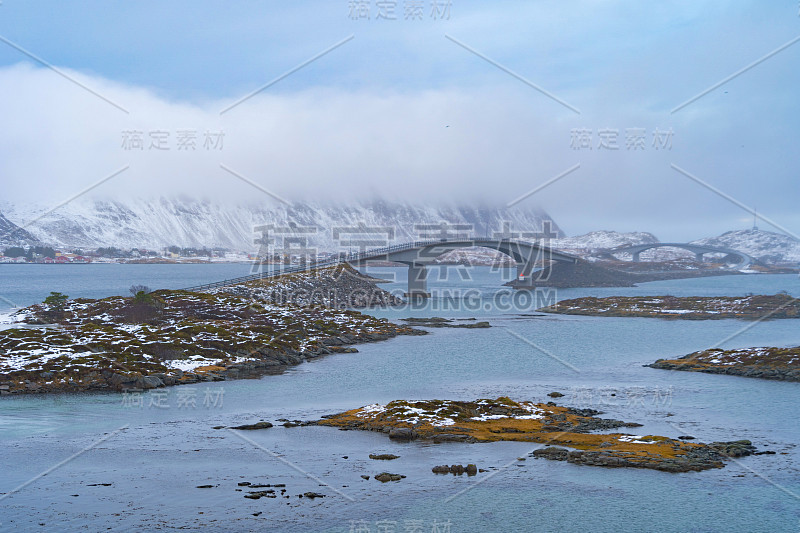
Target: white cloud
488	144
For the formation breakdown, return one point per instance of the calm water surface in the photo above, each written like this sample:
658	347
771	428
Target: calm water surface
157	453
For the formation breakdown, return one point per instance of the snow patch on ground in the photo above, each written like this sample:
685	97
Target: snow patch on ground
635	439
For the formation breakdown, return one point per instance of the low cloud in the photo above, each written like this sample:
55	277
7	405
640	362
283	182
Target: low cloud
488	145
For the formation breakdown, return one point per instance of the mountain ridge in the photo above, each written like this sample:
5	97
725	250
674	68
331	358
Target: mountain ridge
156	224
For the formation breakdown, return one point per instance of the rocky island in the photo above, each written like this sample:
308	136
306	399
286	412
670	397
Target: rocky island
168	337
549	424
766	363
749	307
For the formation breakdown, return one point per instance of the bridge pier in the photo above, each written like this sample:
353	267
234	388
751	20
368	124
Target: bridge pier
417	281
636	257
698	256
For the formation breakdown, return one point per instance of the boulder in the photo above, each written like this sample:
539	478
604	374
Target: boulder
385	477
402	434
151	382
257	425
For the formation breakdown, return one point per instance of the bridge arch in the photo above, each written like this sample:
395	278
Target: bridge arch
417	256
699	250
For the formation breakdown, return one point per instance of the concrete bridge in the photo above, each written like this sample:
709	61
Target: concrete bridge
744	259
418	255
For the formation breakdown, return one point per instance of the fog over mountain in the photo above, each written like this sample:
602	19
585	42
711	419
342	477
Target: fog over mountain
185	222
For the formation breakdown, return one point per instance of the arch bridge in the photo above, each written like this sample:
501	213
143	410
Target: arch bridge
418	255
699	251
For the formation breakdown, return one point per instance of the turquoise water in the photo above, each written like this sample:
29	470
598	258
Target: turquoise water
168	446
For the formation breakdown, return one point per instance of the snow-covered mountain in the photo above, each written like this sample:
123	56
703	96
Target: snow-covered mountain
185	222
765	246
603	240
13	235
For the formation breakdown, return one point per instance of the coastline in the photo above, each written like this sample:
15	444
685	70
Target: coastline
168	338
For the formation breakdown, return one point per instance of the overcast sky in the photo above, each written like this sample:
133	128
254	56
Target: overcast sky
414	110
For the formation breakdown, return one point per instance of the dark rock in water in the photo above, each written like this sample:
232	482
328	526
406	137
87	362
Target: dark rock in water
686	437
457	470
555	395
244	483
206	486
257	425
765	452
736	448
402	434
552	452
364	476
384	456
218	427
385	477
255	495
312	495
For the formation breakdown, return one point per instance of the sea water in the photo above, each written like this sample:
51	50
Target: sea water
58	452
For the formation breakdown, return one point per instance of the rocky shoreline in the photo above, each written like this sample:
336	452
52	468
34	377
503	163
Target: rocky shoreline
751	307
554	426
172	338
339	286
782	364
